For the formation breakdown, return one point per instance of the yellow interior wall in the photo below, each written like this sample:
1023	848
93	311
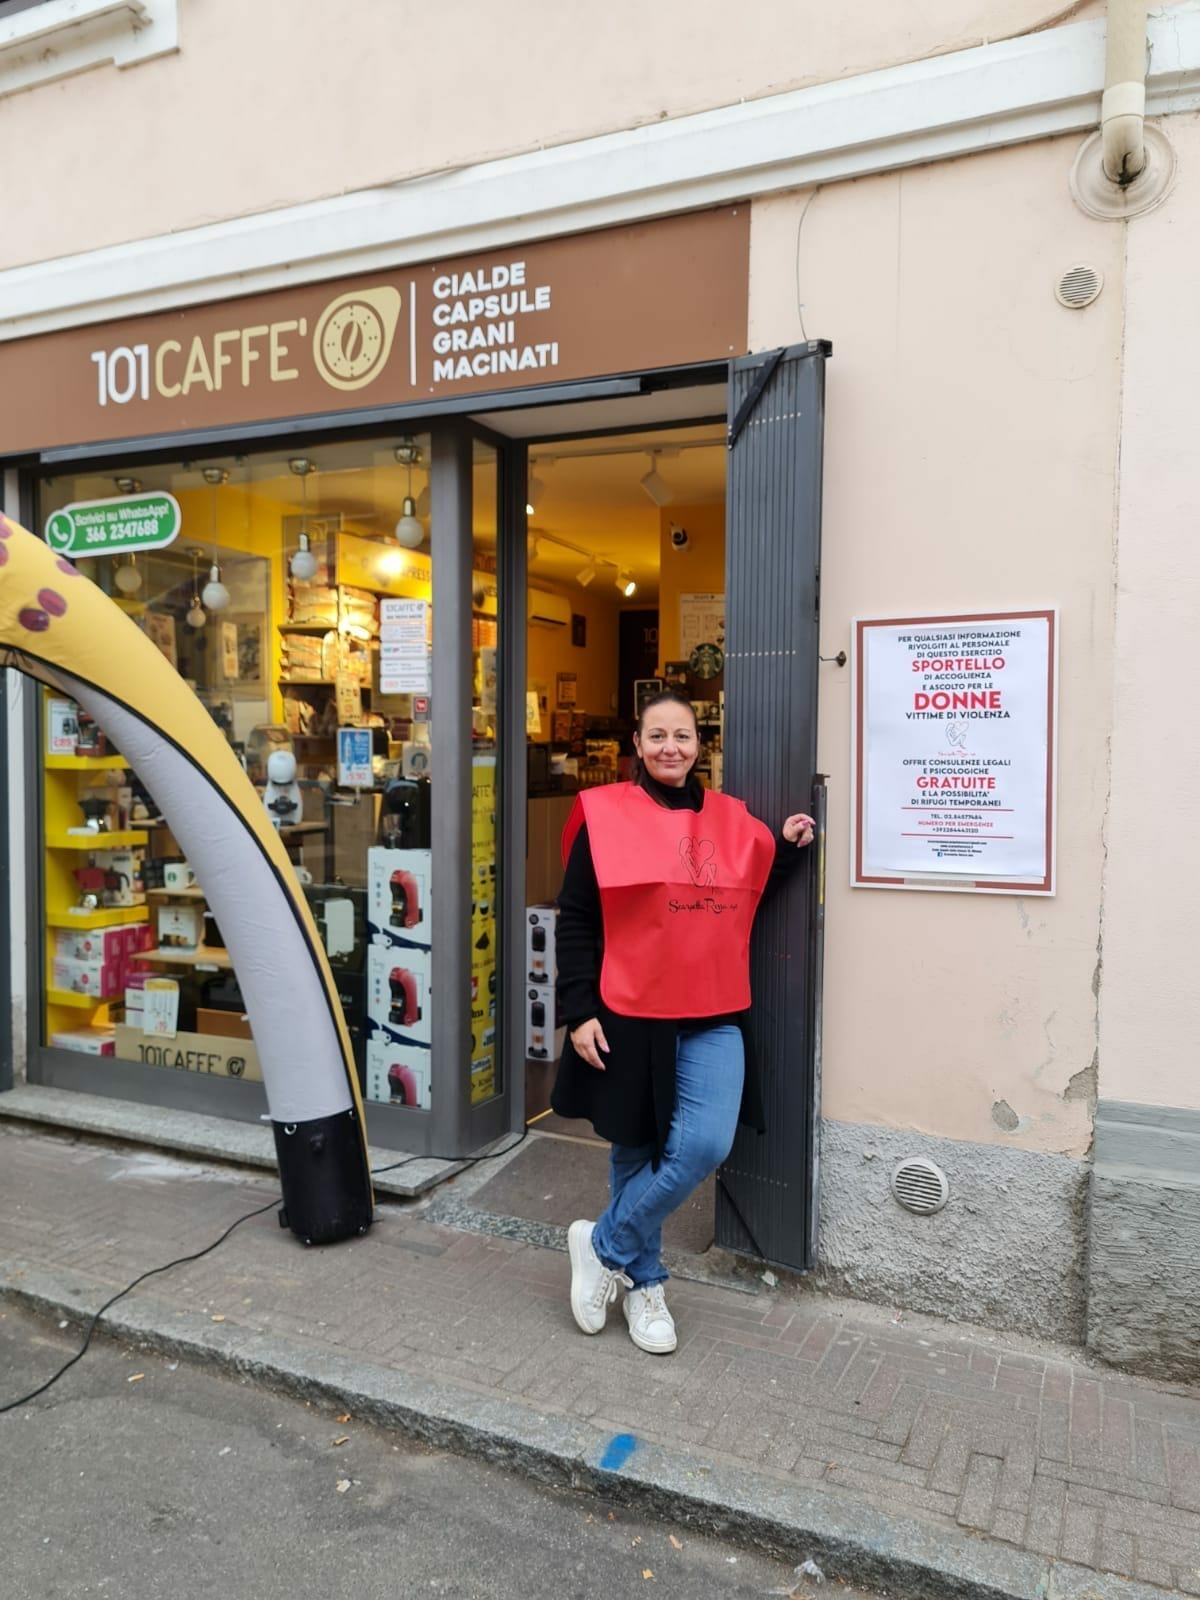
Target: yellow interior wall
550	652
700	569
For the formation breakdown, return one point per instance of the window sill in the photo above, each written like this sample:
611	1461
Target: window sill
64	37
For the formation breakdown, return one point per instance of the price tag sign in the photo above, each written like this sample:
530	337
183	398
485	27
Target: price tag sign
111	527
354	758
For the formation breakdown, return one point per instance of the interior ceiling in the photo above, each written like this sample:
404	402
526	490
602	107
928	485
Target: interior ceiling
586	490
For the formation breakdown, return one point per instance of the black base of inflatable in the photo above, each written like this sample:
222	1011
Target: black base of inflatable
324	1177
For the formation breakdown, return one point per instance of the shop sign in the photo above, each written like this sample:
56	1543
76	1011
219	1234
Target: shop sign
655	294
954	752
114	527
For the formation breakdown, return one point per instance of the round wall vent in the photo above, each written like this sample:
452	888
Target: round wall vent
920	1186
1078	287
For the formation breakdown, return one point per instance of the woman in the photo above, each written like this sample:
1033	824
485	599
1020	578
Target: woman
662	881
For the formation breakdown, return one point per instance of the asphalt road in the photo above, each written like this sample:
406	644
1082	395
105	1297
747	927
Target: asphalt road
142	1479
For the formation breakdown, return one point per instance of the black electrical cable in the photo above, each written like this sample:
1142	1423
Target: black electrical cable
181	1261
462	1161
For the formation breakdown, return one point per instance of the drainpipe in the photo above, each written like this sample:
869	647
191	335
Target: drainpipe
1123	110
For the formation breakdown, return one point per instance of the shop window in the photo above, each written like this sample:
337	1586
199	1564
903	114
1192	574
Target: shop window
294	595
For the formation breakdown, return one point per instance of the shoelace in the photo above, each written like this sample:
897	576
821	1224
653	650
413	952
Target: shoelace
607	1284
656	1301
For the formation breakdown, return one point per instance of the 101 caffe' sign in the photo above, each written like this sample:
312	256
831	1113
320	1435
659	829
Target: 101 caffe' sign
954	737
657	294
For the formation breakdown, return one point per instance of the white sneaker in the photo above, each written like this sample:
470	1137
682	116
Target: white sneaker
593	1285
651	1325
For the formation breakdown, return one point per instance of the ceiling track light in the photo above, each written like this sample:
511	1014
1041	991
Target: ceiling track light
304	563
626	582
409	531
534	490
658	490
585	575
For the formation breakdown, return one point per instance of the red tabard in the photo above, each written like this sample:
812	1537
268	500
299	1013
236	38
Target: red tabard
678	894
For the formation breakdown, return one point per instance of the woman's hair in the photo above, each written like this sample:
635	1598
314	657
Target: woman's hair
668	696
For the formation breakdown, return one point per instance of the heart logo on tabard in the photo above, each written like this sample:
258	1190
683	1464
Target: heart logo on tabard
699	861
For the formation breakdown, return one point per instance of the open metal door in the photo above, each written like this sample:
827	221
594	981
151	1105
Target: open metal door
766	1191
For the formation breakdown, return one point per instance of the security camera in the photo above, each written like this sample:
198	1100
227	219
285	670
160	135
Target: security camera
679	538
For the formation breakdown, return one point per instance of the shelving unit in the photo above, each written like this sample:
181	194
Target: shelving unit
187	958
63	779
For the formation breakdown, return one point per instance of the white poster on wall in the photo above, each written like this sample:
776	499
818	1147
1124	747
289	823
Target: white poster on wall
404	642
954	752
701	621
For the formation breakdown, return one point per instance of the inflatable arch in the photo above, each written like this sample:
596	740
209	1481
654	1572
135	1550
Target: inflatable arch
61	629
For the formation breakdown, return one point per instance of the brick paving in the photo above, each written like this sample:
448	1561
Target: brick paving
972	1431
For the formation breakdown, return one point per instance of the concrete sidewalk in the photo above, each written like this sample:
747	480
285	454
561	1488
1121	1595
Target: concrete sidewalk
894	1452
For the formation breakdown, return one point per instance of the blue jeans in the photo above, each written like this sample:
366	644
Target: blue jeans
709	1067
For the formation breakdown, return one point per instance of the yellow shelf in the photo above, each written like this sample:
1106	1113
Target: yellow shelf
109	917
174	894
85	763
186	958
79	1002
94	841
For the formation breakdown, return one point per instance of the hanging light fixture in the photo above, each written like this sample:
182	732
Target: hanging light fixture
659	491
409	531
196	617
216	595
533	494
304	563
127	577
585	575
626	582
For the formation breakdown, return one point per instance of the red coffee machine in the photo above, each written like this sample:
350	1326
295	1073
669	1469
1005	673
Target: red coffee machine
406	900
402	1085
405	1008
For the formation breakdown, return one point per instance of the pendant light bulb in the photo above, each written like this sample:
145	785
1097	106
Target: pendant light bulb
127	577
304	563
214	594
409	531
196	617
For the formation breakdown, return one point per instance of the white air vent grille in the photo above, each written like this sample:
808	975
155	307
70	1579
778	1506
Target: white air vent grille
1078	287
920	1186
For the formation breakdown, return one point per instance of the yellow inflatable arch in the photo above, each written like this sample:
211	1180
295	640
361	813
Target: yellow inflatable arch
61	629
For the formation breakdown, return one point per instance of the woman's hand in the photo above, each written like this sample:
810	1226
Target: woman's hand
798	829
588	1039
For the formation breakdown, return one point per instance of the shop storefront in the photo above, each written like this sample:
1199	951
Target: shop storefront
315	502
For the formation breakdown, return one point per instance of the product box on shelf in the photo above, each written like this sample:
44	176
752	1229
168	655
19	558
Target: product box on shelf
398	990
92	977
86	1041
399	901
398	1073
203	1053
222	1024
544	1039
180	927
111	945
541	923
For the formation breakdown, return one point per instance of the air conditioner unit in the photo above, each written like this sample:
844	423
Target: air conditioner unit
548	610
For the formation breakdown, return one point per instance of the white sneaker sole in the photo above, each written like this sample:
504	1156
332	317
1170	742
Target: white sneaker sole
579	1237
650	1346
